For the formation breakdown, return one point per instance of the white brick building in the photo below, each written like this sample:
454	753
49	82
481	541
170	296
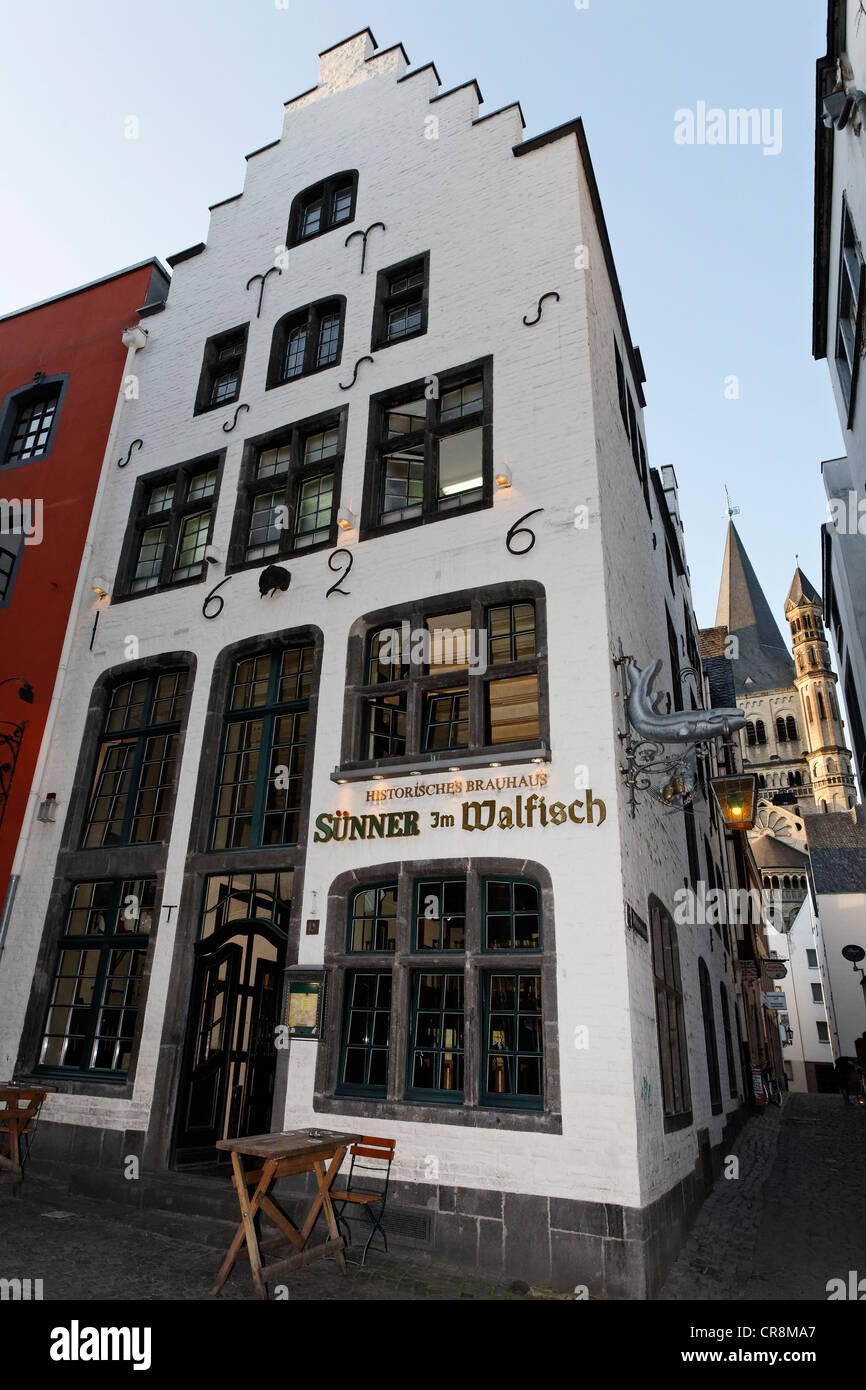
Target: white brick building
837	335
491	1000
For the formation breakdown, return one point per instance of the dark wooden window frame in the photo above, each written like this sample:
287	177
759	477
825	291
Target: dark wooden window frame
330	1098
139	734
75	865
105	944
385	302
20	398
267	714
849	377
708	1016
250	486
309	316
662	924
418	684
210	369
378	445
181	507
326	188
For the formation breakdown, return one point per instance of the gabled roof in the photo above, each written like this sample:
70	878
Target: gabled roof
771	853
763	658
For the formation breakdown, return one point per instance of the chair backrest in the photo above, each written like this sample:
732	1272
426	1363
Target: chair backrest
373	1158
24	1104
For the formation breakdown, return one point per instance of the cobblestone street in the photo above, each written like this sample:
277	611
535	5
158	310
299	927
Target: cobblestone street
794	1218
82	1253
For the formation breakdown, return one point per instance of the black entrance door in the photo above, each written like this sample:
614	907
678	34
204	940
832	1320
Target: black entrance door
227	1078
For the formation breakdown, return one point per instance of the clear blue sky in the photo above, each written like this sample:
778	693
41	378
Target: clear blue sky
713	243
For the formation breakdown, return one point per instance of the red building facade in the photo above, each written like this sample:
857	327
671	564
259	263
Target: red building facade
61	369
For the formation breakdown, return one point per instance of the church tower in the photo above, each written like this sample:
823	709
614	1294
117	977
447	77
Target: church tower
829	760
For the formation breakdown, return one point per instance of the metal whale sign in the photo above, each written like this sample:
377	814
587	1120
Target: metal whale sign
682	726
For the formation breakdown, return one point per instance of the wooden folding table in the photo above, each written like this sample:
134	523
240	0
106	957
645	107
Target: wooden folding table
297	1151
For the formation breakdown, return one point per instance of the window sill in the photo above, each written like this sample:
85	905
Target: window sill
474	1116
159	589
377	528
217	405
446	762
379	346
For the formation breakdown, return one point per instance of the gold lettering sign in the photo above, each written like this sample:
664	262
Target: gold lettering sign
524	813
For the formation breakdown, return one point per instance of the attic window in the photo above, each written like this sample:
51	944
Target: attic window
322	207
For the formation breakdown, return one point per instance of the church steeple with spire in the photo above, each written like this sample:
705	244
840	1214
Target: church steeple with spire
828	758
793	739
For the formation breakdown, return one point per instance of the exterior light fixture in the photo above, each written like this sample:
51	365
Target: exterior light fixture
737	800
98	586
345	519
48	808
495	764
503	476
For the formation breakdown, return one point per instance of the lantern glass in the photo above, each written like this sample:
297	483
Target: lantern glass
737	800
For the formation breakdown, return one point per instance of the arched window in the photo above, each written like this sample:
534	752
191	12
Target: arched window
831	766
791	728
264	745
750	734
762	781
822	713
670	1019
775	880
136	765
307	340
781	732
710	1038
786	882
812	656
729	1042
760	731
809	715
322	207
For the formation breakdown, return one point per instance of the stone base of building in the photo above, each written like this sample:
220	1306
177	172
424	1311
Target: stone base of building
612	1251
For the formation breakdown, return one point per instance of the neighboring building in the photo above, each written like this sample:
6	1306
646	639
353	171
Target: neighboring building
806	1027
351	716
838	335
837	855
756	905
61	369
793	739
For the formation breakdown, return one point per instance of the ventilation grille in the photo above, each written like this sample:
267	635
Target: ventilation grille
408	1227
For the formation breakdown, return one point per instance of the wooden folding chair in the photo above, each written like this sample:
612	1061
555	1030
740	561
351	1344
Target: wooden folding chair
19	1111
367	1187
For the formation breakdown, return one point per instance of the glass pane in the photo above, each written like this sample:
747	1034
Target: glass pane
465	400
406	418
513	709
460	469
450	642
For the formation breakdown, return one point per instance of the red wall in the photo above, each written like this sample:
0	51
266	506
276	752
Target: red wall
79	335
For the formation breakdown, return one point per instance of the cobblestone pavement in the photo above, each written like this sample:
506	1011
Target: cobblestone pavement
793	1219
81	1253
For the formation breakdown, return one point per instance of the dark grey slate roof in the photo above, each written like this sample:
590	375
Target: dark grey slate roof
763	661
801	590
837	849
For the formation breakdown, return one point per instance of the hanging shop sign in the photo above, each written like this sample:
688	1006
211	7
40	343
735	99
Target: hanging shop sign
523	813
776	969
776	1001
